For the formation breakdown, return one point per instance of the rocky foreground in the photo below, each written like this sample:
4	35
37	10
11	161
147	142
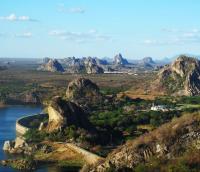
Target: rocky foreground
168	141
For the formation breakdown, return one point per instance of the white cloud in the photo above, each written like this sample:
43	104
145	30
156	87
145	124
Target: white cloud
24	35
62	8
177	37
80	37
13	17
77	10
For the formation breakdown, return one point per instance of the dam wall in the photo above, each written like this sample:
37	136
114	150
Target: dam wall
23	123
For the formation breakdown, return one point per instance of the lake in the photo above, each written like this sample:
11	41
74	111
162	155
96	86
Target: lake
8	117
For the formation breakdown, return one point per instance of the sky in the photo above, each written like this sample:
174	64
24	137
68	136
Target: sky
101	28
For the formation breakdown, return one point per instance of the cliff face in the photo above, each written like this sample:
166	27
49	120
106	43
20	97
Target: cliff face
63	113
169	141
182	77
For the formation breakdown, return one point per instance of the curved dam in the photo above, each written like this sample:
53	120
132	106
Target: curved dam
23	123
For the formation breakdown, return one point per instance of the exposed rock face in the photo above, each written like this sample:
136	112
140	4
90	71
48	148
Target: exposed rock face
63	113
170	140
82	89
52	66
182	77
73	65
92	67
87	65
119	60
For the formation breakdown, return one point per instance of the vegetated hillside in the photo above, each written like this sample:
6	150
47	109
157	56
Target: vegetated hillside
168	144
179	78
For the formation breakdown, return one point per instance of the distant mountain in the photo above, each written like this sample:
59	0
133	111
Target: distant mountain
119	60
87	65
52	65
146	62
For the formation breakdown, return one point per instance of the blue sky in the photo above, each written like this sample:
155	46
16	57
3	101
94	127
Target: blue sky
62	28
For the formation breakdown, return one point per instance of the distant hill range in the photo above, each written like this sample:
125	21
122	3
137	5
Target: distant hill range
94	65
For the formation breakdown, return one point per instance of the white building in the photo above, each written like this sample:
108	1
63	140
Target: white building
159	108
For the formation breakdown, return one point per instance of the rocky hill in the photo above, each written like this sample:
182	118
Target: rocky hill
119	60
91	66
52	66
182	77
147	62
168	141
64	113
94	65
87	65
83	91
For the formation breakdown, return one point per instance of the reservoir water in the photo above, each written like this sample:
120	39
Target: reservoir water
8	117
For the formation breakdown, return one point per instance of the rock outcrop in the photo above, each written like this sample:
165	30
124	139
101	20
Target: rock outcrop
87	65
64	113
17	146
92	67
119	60
52	66
169	141
182	77
83	90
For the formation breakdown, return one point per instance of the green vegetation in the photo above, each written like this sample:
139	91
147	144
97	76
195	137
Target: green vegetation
69	133
71	165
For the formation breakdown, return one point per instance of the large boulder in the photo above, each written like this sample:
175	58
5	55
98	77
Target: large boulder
8	145
64	113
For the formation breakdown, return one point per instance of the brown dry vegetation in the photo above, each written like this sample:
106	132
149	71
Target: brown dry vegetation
166	133
60	153
49	84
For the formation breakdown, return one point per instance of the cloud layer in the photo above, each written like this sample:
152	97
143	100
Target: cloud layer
24	35
176	37
79	37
